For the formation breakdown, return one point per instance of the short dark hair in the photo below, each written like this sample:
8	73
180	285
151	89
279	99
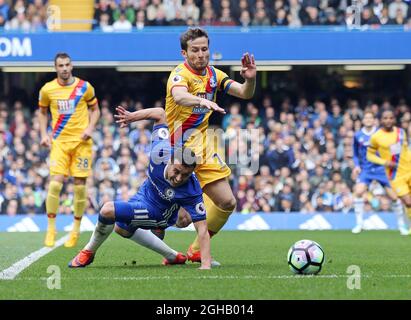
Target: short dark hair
184	156
192	34
389	109
62	55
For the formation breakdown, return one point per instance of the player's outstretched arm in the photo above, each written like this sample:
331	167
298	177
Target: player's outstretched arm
124	117
183	98
204	239
249	73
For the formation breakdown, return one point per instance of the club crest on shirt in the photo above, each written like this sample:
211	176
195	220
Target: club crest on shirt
200	208
170	193
79	91
213	83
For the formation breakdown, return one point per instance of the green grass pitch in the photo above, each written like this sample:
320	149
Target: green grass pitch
253	267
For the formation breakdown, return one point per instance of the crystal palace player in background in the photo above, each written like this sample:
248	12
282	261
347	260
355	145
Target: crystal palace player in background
74	113
171	184
389	147
191	94
367	172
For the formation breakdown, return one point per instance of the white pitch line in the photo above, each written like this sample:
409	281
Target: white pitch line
12	272
245	277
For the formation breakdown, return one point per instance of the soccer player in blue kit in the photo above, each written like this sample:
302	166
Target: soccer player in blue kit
171	184
367	172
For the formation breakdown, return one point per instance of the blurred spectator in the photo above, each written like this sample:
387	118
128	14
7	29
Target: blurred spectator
399	17
190	10
153	9
208	18
280	18
234	112
122	24
396	5
377	7
225	19
178	19
159	19
140	19
103	8
331	17
261	18
104	23
293	16
384	18
310	17
18	23
37	8
124	9
245	18
18	7
237	10
368	17
172	9
37	24
279	155
4	9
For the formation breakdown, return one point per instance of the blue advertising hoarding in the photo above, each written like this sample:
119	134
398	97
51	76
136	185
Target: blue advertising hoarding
161	46
246	222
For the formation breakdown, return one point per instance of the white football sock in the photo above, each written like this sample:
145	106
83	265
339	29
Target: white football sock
400	213
100	234
149	240
359	210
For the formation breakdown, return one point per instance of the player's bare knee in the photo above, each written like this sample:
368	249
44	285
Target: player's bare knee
107	211
229	204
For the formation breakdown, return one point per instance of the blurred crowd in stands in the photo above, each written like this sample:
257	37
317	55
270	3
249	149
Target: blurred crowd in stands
123	15
304	150
25	16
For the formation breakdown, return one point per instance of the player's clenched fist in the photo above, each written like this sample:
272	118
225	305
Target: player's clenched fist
45	141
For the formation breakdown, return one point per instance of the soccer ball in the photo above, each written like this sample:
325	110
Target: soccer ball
305	257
